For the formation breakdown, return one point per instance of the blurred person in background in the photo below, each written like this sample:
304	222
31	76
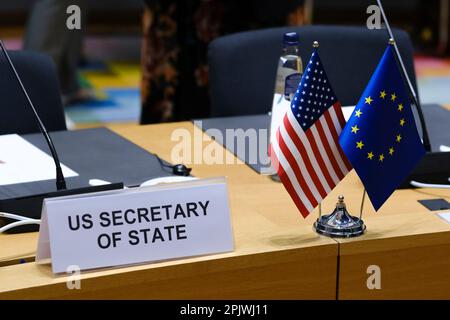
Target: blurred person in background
174	52
48	33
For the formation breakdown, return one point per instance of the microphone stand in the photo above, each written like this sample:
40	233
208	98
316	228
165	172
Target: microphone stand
425	137
30	206
434	166
60	181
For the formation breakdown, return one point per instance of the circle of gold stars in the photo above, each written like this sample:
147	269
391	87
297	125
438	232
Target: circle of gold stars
398	138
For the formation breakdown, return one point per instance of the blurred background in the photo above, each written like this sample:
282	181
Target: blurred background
143	62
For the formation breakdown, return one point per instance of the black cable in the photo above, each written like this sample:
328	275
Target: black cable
178	169
161	162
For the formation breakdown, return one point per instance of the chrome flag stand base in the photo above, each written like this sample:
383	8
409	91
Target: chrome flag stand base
340	224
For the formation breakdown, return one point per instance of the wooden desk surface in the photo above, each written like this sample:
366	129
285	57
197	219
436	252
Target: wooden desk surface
275	247
409	243
277	254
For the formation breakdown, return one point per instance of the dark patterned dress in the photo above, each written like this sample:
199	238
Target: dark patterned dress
174	52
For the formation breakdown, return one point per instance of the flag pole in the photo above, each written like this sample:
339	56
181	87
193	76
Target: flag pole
425	137
362	204
315	46
339	223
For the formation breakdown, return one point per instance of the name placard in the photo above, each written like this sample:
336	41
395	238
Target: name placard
136	225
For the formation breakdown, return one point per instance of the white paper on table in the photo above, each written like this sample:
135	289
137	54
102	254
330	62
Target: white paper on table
445	216
22	162
347	111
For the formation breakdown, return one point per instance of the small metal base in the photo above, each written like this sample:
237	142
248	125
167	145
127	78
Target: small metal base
340	224
275	177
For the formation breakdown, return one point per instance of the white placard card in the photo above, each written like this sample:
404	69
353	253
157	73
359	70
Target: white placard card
136	225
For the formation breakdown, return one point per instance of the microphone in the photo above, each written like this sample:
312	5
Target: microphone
414	97
60	181
434	166
30	206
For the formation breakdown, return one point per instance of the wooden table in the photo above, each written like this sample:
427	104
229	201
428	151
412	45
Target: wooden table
409	243
277	254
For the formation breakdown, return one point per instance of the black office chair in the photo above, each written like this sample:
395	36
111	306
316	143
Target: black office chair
39	77
243	65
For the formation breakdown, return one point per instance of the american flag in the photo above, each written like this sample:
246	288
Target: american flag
306	152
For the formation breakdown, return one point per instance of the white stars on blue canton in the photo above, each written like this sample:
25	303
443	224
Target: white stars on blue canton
314	94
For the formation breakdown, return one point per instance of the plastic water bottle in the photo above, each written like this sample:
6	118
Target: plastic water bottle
289	74
290	67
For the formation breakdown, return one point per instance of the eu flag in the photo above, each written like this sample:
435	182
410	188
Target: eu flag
380	139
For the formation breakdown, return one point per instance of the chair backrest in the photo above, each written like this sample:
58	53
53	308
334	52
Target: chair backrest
38	75
243	65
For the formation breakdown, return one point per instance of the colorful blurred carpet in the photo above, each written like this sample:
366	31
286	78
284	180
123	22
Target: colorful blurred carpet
433	76
117	84
116	87
118	95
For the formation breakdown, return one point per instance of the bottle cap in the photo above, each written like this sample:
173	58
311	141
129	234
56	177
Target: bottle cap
291	39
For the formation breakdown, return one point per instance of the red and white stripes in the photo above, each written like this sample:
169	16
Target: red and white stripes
310	163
